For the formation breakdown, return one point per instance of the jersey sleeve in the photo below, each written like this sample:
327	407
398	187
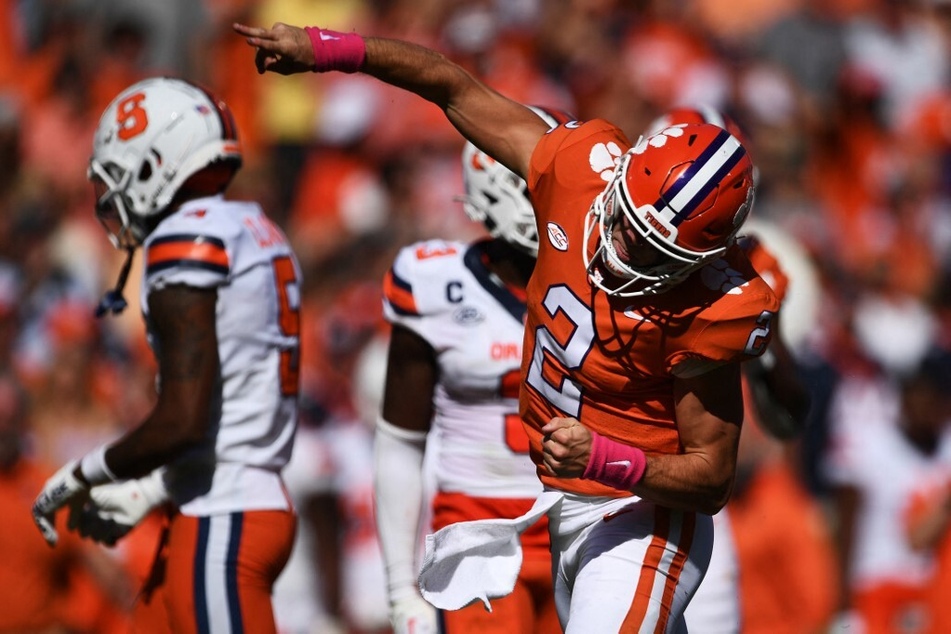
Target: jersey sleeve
415	287
193	250
735	329
572	156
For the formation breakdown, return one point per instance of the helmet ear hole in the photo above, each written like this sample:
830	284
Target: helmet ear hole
145	173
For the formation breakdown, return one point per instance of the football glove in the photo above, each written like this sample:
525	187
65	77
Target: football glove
413	615
115	509
61	489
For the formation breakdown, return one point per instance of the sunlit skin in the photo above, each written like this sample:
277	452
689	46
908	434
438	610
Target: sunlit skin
631	247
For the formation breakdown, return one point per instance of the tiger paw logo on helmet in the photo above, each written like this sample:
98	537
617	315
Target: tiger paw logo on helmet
659	139
604	159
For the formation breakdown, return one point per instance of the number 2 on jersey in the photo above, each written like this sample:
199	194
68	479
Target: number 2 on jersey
570	352
760	336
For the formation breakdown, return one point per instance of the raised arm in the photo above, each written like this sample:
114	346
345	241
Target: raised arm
500	127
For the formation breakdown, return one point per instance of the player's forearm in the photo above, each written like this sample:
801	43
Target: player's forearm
398	487
156	442
699	480
687	482
417	69
184	319
473	108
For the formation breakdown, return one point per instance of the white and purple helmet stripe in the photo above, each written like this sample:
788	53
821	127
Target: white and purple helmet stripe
700	179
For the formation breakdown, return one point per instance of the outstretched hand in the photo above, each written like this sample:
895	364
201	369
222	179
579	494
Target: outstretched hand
282	49
566	447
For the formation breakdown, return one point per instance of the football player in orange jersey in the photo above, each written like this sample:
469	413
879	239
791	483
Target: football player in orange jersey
640	311
457	312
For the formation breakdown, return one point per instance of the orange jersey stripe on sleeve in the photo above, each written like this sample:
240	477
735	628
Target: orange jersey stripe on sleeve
399	293
193	251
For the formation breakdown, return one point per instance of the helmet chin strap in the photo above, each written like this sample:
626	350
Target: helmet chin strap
113	301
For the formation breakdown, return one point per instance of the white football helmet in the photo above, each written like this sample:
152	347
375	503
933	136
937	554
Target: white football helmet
155	139
498	198
684	192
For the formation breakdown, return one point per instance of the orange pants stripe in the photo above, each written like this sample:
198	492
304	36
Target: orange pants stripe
214	574
626	565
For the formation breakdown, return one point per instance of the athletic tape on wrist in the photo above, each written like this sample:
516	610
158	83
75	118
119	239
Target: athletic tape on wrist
333	50
400	433
94	468
614	464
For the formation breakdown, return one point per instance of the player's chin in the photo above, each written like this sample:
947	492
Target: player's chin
615	279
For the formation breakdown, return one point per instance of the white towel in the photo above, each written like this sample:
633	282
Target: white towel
479	559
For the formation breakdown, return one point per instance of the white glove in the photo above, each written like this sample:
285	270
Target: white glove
413	615
61	489
115	509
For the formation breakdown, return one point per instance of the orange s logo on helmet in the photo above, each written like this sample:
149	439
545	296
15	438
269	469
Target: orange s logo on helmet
131	116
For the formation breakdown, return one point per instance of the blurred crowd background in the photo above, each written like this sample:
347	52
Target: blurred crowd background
847	108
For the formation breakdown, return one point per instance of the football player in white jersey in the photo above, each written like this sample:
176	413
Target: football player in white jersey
220	297
457	312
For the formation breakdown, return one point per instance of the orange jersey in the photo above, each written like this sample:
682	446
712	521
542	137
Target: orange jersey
610	361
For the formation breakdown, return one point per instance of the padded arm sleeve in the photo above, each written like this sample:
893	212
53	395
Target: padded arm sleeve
398	474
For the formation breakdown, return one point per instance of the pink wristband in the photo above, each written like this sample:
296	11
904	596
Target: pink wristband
615	464
336	51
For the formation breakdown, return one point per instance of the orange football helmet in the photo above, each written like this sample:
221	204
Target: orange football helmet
685	191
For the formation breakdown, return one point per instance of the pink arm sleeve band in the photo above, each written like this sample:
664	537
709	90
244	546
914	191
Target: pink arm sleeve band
336	51
615	464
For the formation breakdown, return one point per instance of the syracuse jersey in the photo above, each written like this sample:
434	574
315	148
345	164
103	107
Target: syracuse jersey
444	293
234	248
610	361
